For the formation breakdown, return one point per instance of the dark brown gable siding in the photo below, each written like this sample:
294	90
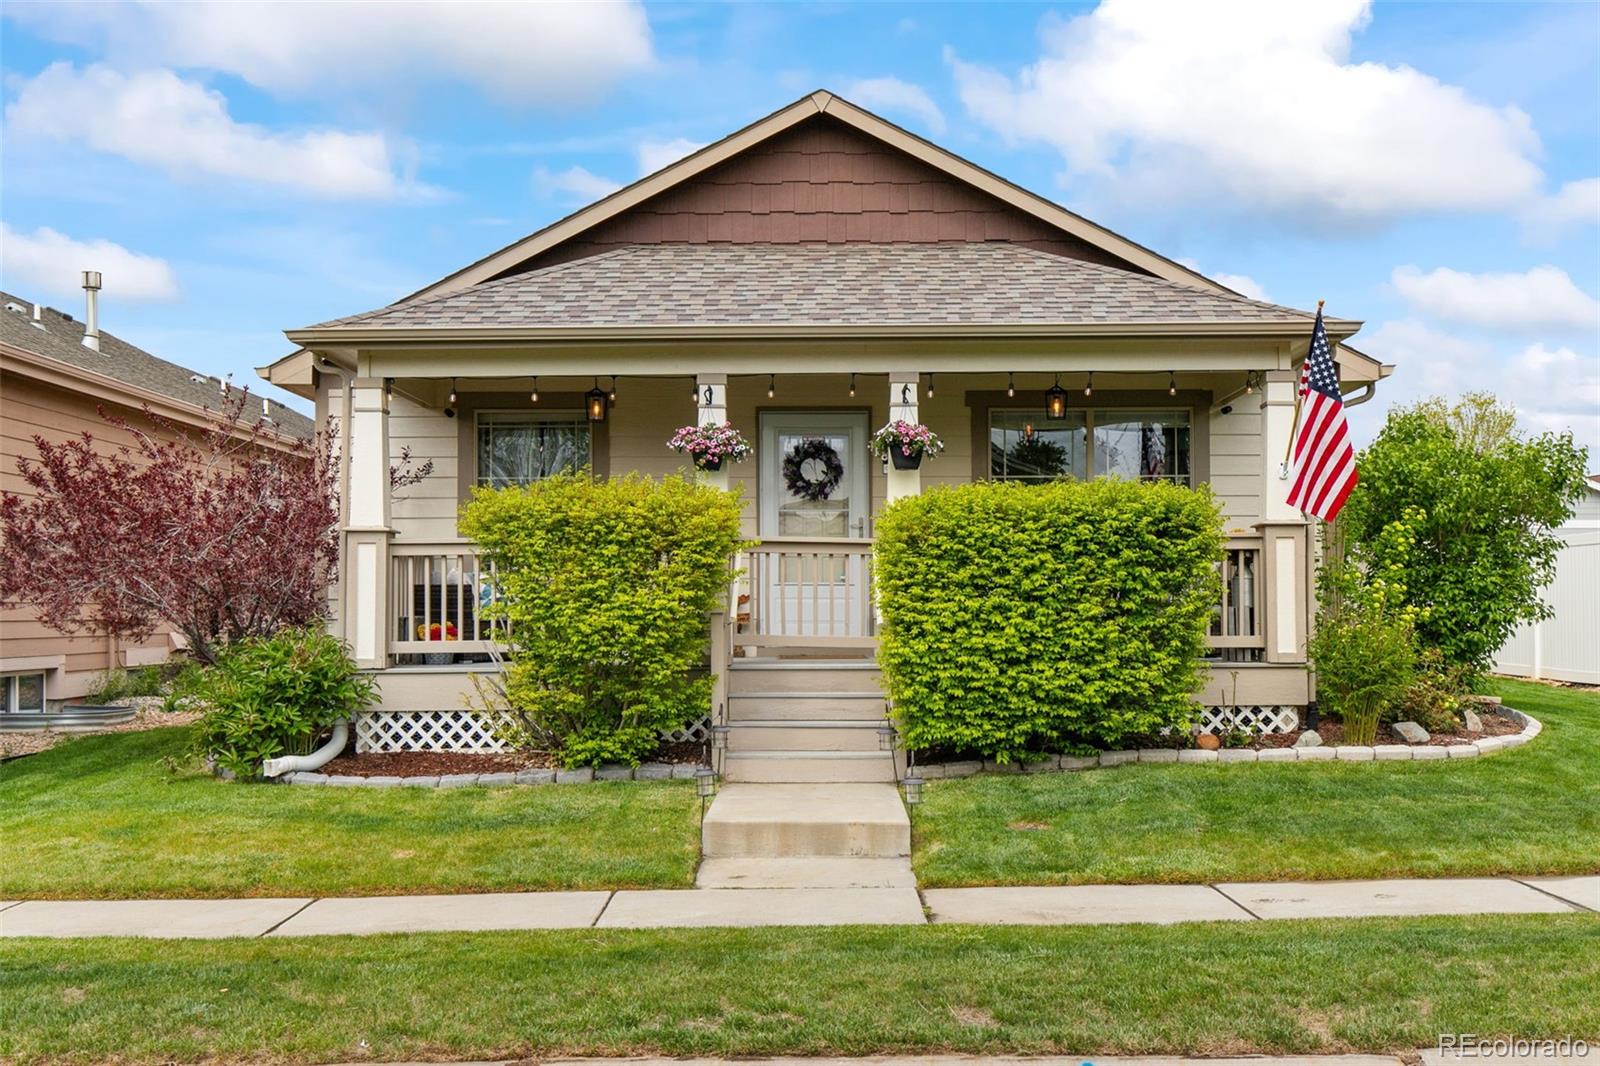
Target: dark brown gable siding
822	182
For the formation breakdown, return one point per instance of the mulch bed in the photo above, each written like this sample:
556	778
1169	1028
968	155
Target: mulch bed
1332	733
439	763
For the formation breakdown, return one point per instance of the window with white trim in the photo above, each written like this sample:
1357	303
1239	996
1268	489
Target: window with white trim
1146	445
521	447
21	693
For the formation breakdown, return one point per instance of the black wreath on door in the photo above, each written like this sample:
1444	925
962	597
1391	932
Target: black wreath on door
812	469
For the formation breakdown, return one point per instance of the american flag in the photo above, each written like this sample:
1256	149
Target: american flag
1323	465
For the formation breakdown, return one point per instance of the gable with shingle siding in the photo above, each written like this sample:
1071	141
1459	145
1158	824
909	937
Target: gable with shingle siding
822	182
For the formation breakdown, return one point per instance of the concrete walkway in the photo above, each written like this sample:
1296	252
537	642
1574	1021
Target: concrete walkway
898	905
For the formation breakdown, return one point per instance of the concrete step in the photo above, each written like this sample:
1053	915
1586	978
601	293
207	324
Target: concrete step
803	675
796	820
807	871
866	706
808	766
789	735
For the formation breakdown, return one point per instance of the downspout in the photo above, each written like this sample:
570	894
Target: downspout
346	379
289	764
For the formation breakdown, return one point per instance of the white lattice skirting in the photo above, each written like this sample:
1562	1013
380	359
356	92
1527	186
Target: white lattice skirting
462	730
1249	719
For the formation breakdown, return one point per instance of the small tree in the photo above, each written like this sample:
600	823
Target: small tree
1485	500
224	535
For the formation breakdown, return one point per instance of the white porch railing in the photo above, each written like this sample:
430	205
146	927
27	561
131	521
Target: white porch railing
811	593
444	586
1238	630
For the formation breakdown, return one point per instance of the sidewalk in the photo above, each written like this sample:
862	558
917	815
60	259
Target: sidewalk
1428	1057
628	909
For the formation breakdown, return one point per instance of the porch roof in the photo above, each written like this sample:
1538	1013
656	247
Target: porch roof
713	286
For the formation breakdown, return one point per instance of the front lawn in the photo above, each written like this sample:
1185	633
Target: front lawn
1270	987
1532	810
104	817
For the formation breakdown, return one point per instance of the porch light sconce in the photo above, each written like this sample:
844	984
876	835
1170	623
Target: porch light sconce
852	384
1172	383
719	737
705	782
1055	402
612	393
534	395
912	786
1011	386
772	385
1088	388
594	402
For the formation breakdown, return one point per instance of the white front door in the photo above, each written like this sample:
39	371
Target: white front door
815	485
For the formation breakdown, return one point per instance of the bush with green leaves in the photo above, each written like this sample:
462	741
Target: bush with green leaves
1025	618
604	588
114	686
1488	499
1365	645
271	696
1434	698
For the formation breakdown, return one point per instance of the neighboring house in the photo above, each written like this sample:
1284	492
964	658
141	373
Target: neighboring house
809	278
55	377
1566	646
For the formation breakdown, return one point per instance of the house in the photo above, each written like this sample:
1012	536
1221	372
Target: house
56	375
1563	647
808	278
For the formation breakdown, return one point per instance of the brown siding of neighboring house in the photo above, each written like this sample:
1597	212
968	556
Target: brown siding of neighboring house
36	408
822	182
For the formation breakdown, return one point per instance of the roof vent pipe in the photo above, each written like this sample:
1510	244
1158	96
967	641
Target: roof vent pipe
38	317
91	318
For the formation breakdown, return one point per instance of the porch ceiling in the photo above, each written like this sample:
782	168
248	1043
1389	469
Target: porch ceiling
955	287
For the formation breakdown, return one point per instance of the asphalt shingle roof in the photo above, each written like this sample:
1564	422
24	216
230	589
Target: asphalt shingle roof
62	340
820	285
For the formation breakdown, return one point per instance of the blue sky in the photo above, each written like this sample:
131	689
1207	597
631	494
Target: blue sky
239	169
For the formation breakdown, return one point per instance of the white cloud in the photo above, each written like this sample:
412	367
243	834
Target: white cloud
653	155
1242	284
1255	102
521	53
1542	298
1576	203
575	184
47	262
896	96
158	119
1553	389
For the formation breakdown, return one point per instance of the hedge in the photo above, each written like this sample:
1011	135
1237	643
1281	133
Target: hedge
606	586
1023	618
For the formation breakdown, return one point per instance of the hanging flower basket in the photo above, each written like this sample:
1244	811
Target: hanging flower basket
710	445
905	443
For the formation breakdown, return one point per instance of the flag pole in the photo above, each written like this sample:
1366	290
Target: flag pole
1294	427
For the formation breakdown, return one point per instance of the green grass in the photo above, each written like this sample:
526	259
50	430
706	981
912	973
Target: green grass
103	817
1352	985
1531	810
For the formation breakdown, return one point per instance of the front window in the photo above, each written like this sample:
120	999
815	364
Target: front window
519	448
22	692
1142	445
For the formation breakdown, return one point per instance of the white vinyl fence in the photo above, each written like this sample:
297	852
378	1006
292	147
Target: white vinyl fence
1567	646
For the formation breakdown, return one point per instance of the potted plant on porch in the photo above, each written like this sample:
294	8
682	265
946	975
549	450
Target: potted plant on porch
710	445
905	443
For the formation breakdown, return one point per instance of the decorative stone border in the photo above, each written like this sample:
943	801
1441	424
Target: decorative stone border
1341	753
649	771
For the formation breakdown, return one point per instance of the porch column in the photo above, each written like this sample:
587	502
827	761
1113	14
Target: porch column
367	535
1287	598
903	385
711	407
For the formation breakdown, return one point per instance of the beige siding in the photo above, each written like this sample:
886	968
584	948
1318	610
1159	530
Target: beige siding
1236	462
426	510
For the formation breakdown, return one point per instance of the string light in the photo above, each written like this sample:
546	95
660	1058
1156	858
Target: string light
852	384
452	391
1088	389
612	394
1250	383
930	386
772	385
1011	385
1172	383
534	395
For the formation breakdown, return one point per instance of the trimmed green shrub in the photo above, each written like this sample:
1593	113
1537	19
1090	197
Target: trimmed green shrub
116	685
1020	618
271	696
605	587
